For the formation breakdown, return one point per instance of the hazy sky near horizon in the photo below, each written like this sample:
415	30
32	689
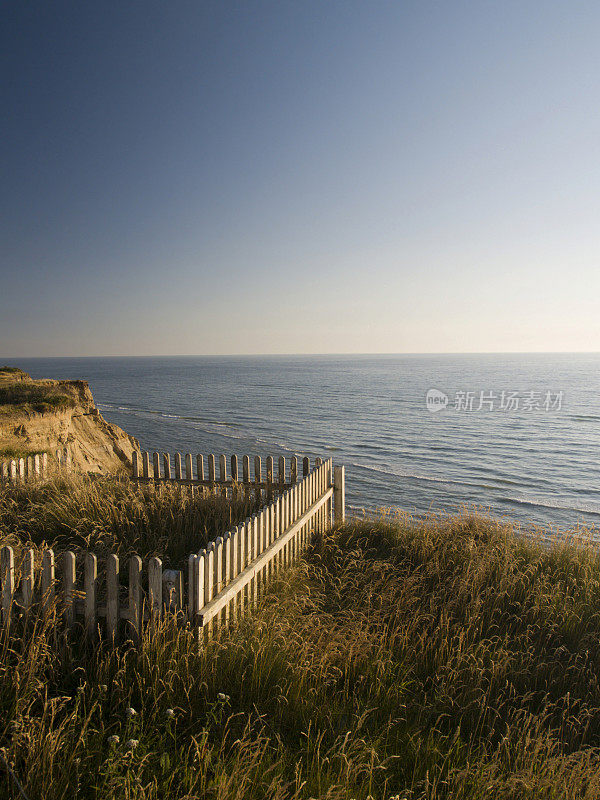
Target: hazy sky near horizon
289	177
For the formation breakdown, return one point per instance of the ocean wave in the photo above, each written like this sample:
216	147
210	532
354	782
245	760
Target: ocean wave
431	478
166	415
584	508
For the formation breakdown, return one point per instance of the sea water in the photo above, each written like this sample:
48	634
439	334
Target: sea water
516	435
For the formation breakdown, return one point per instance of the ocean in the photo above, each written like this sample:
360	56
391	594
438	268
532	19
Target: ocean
514	435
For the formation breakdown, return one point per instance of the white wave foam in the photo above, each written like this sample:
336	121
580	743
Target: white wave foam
420	477
584	508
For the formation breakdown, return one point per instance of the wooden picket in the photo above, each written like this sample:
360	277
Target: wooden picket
40	466
147	469
26	469
219	583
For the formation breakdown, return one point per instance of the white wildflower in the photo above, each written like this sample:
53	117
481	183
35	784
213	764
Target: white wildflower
131	712
132	744
169	713
114	739
223	698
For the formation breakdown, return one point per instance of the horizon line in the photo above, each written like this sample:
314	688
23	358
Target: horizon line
320	354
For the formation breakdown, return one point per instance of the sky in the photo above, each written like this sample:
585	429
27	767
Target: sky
299	177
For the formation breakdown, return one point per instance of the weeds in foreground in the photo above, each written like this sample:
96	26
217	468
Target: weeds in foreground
446	660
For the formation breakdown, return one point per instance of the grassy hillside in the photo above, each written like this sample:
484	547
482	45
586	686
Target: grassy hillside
33	397
19	393
450	660
13	372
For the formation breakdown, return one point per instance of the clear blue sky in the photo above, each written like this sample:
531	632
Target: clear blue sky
263	177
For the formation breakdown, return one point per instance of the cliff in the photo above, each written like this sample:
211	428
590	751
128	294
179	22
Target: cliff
47	415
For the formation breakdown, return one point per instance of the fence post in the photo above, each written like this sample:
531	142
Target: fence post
155	586
27	577
269	477
69	578
8	582
209	582
135	608
112	598
48	574
199	574
328	485
339	494
249	527
191	587
90	578
257	469
218	567
227	568
198	593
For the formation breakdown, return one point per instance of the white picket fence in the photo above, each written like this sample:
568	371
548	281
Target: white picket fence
192	471
219	583
37	467
21	469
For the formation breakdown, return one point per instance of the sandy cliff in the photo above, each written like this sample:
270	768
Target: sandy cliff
47	415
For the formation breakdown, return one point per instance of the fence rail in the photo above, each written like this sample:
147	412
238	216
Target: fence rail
218	583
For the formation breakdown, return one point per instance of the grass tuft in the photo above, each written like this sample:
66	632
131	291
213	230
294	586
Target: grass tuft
34	396
11	452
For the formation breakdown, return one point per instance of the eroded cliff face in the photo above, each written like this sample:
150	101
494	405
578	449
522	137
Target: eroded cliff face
94	444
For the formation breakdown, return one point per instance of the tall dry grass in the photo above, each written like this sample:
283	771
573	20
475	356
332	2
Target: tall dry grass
444	660
114	515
